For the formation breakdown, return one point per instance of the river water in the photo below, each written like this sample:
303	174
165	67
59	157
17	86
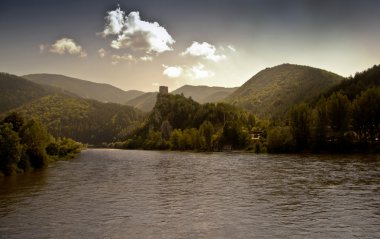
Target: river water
107	193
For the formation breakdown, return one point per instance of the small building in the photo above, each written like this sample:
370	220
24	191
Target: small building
164	90
255	135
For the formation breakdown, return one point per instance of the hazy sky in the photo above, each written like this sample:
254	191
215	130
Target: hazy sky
144	43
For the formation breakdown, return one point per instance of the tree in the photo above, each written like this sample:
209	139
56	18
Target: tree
320	123
366	115
206	131
15	119
280	140
175	139
10	149
300	125
338	112
35	138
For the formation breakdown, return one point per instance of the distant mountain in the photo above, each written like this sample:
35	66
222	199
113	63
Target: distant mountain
15	91
273	91
204	94
144	102
85	89
65	114
201	94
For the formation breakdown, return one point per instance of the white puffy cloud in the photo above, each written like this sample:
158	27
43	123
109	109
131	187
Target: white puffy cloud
204	50
66	45
116	59
172	71
102	52
199	72
114	22
132	32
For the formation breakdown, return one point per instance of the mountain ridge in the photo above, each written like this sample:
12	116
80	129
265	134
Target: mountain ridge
102	92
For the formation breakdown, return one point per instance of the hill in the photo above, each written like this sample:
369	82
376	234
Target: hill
84	120
85	89
353	86
144	102
178	122
273	91
201	94
15	91
204	94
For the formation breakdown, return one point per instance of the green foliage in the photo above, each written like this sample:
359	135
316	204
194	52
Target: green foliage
64	148
206	131
366	115
347	119
280	140
24	146
35	138
186	125
83	120
338	112
10	149
300	125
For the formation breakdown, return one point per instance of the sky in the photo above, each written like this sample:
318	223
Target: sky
142	44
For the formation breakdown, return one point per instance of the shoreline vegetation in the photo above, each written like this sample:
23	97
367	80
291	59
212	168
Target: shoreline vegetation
344	119
27	145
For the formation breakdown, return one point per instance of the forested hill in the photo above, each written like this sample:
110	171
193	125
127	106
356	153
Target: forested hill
85	89
84	120
273	91
353	86
67	115
178	122
15	91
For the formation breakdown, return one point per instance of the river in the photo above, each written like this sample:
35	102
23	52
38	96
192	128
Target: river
106	193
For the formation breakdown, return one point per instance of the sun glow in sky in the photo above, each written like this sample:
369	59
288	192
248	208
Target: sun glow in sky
145	43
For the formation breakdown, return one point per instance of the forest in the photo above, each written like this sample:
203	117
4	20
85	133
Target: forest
26	145
344	118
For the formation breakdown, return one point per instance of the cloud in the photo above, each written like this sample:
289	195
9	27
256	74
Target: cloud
204	50
66	45
198	72
133	33
116	59
102	52
172	71
114	22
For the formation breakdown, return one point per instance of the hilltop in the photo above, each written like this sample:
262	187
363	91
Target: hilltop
273	91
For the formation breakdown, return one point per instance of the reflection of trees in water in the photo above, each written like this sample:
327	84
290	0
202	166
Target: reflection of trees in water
16	188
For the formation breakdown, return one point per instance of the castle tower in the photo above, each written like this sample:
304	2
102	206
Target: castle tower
164	90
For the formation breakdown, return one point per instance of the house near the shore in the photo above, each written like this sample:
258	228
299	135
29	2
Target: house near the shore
256	134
